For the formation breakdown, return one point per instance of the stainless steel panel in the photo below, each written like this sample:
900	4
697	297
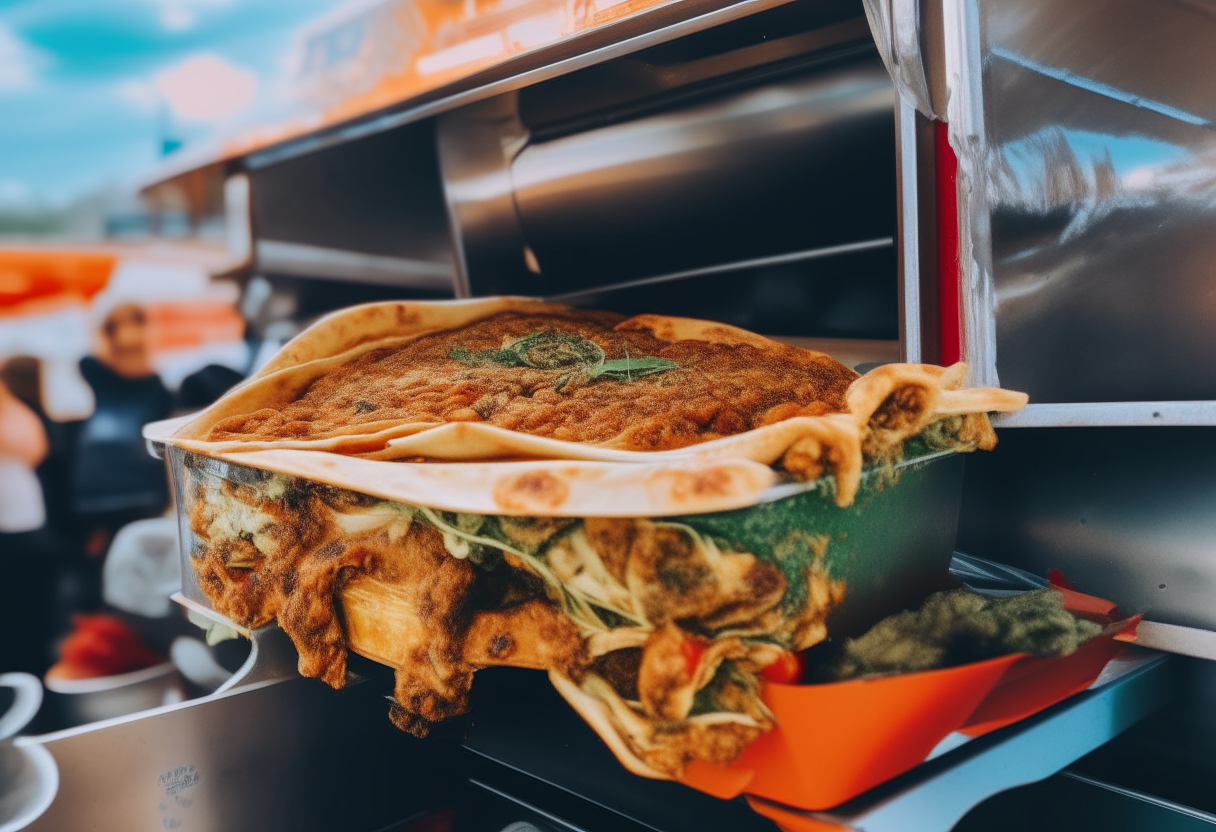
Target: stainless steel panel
284	753
521	727
793	165
753	264
300	260
1101	195
844	293
1169	755
910	258
1126	513
897	26
1185	641
1071	801
382	198
1109	414
476	147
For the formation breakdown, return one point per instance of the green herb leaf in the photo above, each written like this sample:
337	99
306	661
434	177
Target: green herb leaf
630	368
506	357
556	350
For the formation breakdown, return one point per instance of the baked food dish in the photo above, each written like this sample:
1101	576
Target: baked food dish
454	486
703	392
565	374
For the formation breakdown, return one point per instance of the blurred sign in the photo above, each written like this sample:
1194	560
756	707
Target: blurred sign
53	300
39	280
368	56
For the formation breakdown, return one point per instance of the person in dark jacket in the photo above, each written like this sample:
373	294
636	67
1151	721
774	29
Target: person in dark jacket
26	565
114	480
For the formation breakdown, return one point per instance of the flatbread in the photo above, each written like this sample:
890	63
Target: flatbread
879	411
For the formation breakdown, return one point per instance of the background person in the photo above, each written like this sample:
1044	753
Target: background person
114	479
28	566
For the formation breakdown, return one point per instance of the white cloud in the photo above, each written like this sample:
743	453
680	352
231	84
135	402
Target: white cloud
139	93
13	192
19	61
177	18
206	87
182	15
1141	178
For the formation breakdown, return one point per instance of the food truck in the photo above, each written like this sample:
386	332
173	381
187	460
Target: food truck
1019	185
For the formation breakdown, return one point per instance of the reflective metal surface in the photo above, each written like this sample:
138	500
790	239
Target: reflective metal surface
1071	801
744	175
476	146
302	260
276	752
1108	414
797	164
371	212
1100	192
898	27
529	756
1125	513
910	257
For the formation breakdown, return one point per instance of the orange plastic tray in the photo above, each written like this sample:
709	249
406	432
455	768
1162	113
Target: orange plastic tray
833	742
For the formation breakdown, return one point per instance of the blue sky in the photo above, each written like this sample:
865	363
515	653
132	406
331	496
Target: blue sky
87	86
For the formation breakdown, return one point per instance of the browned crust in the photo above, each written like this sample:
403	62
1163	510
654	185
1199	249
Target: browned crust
712	388
878	412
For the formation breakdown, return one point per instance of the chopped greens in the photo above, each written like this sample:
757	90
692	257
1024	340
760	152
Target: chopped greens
939	436
706	699
957	627
628	368
579	607
556	350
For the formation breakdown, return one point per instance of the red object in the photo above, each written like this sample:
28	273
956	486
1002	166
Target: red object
102	645
1086	606
949	271
31	276
178	325
833	742
787	670
1036	682
693	649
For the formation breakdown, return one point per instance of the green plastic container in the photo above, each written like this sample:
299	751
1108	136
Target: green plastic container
891	547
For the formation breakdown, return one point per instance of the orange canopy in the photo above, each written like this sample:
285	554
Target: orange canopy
32	277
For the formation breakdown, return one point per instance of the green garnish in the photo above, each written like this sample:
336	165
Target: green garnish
457	535
555	350
957	627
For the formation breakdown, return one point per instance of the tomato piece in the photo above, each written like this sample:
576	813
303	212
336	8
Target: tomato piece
103	645
787	670
693	649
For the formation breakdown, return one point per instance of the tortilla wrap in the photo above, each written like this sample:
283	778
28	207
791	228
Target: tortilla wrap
885	407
